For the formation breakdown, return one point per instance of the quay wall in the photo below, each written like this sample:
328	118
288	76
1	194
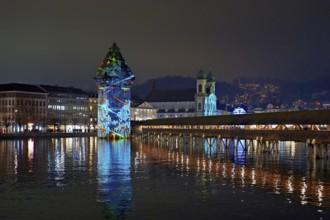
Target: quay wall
26	135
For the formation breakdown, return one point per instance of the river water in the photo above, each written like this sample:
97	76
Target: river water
88	178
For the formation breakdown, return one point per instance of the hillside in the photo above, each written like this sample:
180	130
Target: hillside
240	92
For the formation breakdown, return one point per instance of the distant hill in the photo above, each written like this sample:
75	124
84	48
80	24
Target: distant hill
314	90
167	82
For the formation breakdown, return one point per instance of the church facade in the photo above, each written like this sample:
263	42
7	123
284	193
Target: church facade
199	101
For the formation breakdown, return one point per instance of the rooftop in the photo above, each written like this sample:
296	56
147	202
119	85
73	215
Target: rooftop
21	87
61	89
173	95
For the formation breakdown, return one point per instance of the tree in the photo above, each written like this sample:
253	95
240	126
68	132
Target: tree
75	122
7	122
55	122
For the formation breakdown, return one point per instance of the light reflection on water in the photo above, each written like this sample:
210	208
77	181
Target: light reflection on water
123	169
286	172
114	177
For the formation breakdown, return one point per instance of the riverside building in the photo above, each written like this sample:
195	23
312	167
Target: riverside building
23	107
39	108
68	109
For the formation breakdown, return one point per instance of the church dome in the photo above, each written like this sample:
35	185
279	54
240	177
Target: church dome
210	77
201	74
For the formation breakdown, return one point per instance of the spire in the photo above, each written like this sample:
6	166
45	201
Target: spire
201	74
114	65
210	77
114	47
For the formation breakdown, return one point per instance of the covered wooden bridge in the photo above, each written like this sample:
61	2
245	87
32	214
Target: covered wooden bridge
311	127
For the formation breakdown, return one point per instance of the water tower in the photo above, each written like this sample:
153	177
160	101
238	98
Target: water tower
114	80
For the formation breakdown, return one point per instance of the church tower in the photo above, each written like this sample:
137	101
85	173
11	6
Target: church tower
205	99
114	80
211	100
200	95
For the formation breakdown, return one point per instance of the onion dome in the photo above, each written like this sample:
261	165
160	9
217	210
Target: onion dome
210	77
201	74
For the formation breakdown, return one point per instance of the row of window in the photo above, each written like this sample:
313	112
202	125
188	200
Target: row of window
13	118
21	102
175	115
12	110
67	108
22	95
68	101
68	115
175	106
70	96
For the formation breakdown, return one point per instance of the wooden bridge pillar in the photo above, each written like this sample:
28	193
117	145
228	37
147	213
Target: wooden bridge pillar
182	140
218	142
327	150
310	150
225	144
266	147
260	144
246	144
252	145
191	144
319	151
237	145
277	147
165	139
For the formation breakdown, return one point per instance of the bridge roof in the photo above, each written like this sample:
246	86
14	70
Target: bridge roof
294	117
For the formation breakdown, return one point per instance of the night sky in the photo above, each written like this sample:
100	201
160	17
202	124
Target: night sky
63	41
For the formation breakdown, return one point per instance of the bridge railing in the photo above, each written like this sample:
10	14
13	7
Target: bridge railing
310	136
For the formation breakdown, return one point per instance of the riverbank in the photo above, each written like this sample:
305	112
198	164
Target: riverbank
26	135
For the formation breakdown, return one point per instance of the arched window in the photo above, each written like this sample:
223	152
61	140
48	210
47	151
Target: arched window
200	88
199	106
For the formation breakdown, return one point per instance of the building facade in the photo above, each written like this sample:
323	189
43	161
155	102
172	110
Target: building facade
205	98
143	112
92	105
172	103
23	107
39	108
68	109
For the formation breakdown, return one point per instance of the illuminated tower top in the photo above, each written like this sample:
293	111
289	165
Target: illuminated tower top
114	80
114	69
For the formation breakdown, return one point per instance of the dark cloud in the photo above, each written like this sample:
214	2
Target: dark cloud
63	42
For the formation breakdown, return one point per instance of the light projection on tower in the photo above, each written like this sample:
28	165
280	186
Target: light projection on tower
114	80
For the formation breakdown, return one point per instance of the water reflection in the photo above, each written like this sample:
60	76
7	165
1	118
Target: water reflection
128	175
114	177
65	162
286	171
56	158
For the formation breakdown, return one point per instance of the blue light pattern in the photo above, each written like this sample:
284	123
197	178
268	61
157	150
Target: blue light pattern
210	105
114	80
